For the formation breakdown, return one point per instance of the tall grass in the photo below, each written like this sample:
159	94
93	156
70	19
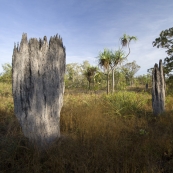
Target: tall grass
100	133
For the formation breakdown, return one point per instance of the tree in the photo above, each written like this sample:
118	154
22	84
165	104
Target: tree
129	70
168	66
125	42
110	60
85	65
72	71
89	74
166	41
144	79
6	75
120	79
116	58
119	55
105	61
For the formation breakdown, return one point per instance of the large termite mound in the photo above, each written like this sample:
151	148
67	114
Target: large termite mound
158	89
38	87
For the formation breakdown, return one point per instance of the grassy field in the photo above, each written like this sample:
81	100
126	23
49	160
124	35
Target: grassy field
114	133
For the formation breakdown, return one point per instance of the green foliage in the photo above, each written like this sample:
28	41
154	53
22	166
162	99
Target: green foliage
143	132
166	41
74	77
117	58
144	79
123	102
109	60
125	41
169	85
168	65
105	62
129	70
105	59
120	82
90	74
6	75
5	89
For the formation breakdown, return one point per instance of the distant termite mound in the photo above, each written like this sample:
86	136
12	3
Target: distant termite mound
38	87
158	89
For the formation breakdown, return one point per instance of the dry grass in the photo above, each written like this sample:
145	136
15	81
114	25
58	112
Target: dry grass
115	133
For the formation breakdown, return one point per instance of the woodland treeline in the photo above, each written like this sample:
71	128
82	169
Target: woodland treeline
94	78
113	71
91	77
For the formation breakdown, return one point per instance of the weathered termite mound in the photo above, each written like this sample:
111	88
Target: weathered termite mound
158	89
38	87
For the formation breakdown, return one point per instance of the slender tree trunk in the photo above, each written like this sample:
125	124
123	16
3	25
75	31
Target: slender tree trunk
89	83
158	89
113	81
146	86
38	87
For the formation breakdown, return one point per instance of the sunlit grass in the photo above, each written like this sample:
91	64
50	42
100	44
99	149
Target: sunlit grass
100	133
5	89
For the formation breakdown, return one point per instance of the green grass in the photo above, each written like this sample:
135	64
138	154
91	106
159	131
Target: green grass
100	133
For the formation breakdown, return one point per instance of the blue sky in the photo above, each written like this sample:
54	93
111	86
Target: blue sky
87	27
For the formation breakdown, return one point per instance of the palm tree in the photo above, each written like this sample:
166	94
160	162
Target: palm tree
109	60
125	42
116	58
105	61
89	74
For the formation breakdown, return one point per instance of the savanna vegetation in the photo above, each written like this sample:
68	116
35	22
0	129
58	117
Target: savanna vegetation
107	124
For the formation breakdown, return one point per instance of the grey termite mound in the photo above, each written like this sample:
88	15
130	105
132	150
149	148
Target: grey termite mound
38	87
158	89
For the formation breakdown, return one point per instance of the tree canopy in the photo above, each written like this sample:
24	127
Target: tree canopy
166	41
89	73
125	42
129	70
6	75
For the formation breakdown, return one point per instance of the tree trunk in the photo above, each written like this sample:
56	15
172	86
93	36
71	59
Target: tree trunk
146	86
38	87
113	81
89	85
158	89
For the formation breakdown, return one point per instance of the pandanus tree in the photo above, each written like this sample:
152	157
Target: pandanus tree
105	61
116	58
125	42
89	74
109	60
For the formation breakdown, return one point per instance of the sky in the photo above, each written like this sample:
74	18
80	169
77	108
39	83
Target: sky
87	27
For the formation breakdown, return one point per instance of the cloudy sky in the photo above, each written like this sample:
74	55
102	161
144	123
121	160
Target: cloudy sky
87	27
